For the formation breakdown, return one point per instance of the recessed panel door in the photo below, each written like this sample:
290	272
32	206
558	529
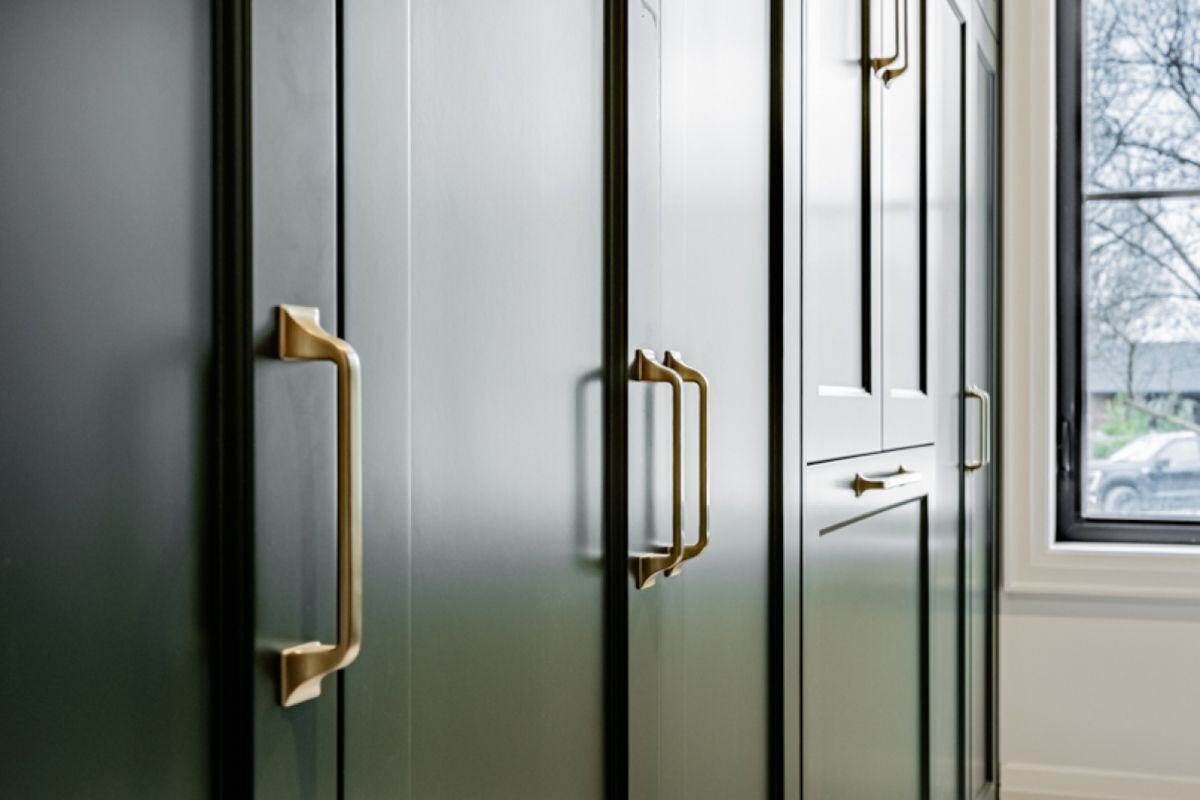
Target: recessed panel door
437	170
474	277
865	631
945	128
699	125
980	384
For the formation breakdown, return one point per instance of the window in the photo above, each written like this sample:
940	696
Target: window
1129	270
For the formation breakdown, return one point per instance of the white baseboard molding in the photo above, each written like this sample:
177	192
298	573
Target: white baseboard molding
1043	782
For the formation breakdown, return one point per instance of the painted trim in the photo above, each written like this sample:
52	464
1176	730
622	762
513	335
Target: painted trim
1033	562
783	423
1044	782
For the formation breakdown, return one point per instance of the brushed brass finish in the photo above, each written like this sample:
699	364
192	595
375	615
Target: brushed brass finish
672	360
302	667
878	64
867	483
647	567
985	428
891	74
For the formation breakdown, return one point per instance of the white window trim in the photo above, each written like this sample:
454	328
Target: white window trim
1032	561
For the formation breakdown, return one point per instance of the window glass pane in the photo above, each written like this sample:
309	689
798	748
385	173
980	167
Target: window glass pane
1142	365
1142	87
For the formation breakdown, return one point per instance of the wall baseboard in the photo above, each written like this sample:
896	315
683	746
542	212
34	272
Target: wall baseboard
1043	782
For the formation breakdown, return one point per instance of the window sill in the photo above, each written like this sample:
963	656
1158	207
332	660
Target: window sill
1105	570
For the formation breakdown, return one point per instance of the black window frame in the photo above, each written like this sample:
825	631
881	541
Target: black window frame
1072	525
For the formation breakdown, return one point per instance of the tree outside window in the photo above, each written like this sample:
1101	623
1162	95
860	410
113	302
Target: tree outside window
1141	258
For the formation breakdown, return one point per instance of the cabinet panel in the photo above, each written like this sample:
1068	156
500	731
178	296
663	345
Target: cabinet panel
945	131
698	277
865	628
506	339
980	371
906	395
841	305
107	646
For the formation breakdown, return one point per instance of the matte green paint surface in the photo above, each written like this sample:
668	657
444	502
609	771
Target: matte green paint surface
105	314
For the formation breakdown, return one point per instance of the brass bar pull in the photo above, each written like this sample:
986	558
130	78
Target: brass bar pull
645	368
878	64
867	483
689	375
985	428
892	73
302	667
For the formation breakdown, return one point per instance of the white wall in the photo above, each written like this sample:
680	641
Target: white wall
1099	647
1099	698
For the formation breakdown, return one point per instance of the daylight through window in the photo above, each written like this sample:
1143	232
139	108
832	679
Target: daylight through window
1140	260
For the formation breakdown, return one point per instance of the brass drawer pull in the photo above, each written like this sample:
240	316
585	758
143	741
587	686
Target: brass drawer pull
689	375
645	368
867	483
985	428
302	667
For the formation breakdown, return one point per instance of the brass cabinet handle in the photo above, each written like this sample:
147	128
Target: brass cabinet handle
891	74
985	428
645	368
879	63
302	667
690	375
866	483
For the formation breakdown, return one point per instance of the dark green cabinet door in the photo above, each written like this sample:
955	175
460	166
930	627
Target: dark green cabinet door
506	277
865	630
473	291
106	315
699	128
429	175
945	171
982	285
